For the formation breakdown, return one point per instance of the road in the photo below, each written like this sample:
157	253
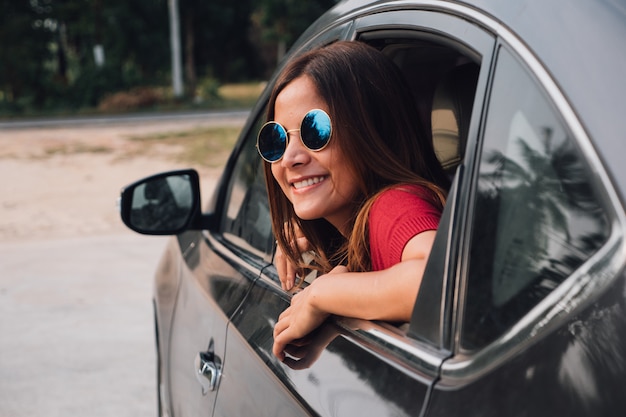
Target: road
120	119
76	327
76	330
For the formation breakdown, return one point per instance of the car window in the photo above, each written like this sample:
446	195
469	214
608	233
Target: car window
442	78
246	218
537	216
443	74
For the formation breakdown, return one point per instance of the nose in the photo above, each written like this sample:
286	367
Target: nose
295	153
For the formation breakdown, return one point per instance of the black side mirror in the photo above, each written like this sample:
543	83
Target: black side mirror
163	204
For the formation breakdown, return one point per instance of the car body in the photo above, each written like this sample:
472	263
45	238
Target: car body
522	309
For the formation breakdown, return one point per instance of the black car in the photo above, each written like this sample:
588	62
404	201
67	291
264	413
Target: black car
522	309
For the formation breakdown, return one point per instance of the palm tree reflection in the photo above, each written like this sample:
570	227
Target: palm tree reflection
538	220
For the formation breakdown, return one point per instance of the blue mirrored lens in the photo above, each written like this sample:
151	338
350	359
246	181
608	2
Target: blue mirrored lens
315	130
272	141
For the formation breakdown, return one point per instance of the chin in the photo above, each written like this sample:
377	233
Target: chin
308	214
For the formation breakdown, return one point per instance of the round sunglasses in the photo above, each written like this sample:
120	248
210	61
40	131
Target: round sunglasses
315	131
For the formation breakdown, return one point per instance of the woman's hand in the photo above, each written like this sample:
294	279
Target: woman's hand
297	321
302	353
301	317
287	270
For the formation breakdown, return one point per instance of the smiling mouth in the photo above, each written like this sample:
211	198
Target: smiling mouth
308	182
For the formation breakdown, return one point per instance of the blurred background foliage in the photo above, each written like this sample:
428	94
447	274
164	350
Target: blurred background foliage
68	56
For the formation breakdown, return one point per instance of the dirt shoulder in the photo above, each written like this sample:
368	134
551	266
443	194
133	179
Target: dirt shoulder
64	181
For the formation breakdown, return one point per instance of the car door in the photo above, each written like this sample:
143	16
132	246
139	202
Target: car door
357	367
219	267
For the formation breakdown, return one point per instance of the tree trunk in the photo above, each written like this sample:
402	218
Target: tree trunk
61	55
190	63
177	78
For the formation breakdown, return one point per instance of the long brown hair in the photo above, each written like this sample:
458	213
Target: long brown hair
375	116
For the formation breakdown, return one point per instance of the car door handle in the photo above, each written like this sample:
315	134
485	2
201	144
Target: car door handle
207	371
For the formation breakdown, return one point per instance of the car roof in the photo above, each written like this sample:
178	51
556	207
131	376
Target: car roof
580	43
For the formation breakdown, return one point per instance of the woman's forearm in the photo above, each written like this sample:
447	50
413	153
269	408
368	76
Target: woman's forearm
381	295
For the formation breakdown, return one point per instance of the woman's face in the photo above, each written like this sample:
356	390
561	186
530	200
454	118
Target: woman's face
318	184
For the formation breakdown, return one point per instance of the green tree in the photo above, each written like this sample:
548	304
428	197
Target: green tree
282	21
215	38
25	33
47	50
133	37
71	53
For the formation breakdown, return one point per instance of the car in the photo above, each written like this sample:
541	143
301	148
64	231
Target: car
522	308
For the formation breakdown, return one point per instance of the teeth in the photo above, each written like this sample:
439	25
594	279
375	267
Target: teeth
308	182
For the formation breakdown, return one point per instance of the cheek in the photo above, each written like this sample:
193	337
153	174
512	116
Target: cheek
342	168
350	183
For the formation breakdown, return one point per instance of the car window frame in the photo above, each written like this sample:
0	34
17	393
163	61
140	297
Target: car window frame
437	330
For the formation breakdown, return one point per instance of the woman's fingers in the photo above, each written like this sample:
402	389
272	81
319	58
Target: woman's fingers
296	323
286	273
287	270
281	340
282	323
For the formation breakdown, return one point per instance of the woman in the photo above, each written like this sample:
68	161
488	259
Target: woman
353	179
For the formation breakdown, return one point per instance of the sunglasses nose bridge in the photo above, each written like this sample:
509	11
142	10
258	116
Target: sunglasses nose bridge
291	130
289	146
289	137
296	152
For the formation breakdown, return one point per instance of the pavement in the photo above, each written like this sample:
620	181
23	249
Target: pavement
76	320
205	116
76	328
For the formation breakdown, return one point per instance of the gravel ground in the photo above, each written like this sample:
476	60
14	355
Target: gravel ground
64	181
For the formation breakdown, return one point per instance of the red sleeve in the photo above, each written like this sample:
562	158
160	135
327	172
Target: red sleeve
396	217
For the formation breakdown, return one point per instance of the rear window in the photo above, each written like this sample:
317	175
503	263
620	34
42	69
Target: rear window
537	216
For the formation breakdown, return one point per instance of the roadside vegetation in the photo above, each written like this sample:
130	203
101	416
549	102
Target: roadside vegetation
82	57
208	147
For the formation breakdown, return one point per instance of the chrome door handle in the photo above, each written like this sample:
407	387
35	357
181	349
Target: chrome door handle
207	371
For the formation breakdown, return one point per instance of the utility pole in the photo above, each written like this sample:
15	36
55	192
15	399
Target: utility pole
177	72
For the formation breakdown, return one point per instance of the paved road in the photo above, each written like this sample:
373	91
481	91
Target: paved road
130	118
76	327
76	331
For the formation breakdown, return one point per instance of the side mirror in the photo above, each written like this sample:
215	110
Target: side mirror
163	204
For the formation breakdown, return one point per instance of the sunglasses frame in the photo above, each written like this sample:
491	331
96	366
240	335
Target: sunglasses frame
287	132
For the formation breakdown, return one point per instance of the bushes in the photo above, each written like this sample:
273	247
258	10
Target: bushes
208	89
136	98
93	83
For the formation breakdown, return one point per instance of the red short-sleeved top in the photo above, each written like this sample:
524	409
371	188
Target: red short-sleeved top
396	216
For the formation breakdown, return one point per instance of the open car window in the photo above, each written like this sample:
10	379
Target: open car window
443	79
444	75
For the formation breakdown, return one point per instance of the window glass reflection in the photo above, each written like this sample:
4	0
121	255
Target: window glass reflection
537	217
246	221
